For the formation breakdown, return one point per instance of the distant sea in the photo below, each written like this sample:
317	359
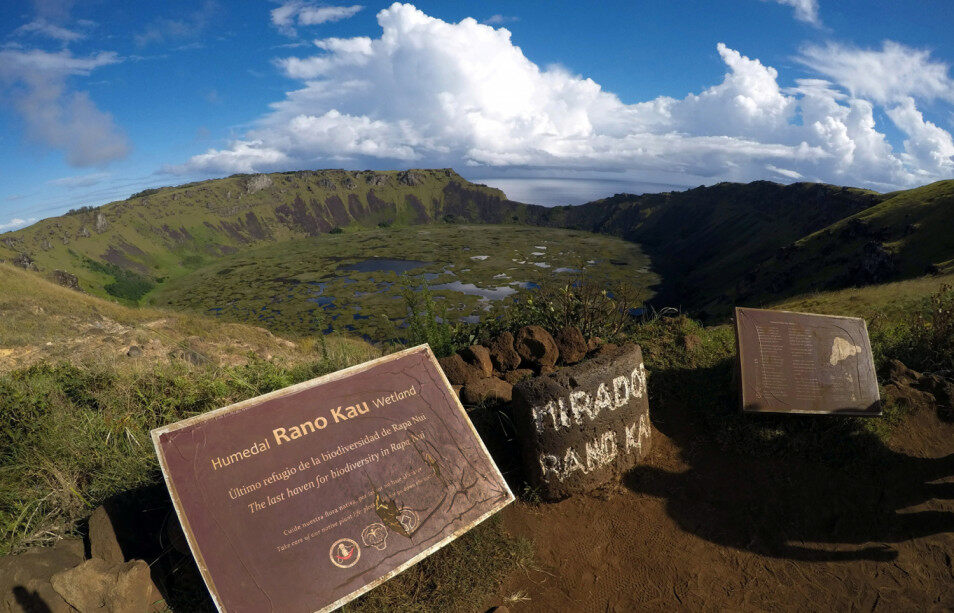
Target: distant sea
557	191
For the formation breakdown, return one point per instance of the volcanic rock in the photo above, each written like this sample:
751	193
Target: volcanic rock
458	371
97	585
482	390
571	344
502	353
478	356
514	377
66	279
536	347
103	543
25	578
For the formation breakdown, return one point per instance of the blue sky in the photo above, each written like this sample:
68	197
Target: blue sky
555	102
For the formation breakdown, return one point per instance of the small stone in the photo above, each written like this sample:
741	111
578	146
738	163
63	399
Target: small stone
25	577
502	353
458	371
479	357
516	376
457	389
97	585
593	344
103	543
536	347
571	344
482	390
607	348
134	351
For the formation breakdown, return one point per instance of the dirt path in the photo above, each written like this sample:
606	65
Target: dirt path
697	529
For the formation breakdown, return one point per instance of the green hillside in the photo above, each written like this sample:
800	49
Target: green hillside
763	242
124	248
907	235
711	247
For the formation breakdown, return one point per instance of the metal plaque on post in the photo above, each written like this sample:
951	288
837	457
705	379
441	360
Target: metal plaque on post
303	499
805	363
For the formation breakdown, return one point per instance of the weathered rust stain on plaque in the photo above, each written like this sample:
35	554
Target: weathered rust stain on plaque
305	498
805	363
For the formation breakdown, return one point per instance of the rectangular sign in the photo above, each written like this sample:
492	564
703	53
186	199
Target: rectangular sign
805	363
303	499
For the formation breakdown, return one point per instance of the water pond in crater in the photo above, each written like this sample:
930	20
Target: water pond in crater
351	282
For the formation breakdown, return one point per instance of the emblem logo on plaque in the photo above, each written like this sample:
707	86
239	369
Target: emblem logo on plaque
345	553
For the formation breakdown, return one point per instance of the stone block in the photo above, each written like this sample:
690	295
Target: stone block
583	426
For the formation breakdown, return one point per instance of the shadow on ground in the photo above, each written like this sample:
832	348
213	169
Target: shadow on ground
815	488
147	528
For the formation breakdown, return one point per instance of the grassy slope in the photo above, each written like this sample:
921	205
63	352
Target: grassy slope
911	231
169	231
43	321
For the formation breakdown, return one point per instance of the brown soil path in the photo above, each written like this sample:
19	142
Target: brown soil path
698	529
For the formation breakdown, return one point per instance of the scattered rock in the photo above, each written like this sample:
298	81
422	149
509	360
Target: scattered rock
189	355
582	427
536	347
604	348
24	261
97	585
66	279
102	538
25	578
478	356
514	377
458	371
918	391
457	389
257	183
571	344
489	389
134	351
100	224
409	177
502	353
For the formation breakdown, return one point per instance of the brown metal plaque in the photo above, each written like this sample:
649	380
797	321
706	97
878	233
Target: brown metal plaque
805	363
303	499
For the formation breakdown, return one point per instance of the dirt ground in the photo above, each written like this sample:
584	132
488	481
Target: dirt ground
696	528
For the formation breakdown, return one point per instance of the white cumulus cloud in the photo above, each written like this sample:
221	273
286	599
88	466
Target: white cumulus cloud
431	93
296	12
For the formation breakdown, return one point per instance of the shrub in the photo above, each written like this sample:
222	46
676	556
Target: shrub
336	230
592	306
427	321
126	284
924	341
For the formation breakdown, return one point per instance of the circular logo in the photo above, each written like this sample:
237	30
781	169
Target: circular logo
344	553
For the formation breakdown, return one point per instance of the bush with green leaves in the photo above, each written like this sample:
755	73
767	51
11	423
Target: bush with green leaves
427	319
596	308
924	341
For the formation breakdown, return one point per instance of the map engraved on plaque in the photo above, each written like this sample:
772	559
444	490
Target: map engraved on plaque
805	363
305	498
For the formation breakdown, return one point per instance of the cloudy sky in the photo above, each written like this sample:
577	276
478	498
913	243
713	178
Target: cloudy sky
555	102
